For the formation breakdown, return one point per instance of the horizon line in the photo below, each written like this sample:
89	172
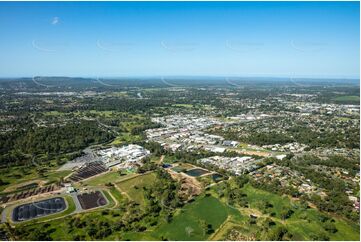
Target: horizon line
187	76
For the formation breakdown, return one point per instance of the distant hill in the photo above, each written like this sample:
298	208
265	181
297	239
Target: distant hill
79	83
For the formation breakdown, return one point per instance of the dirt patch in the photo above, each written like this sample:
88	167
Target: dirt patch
190	186
254	152
23	185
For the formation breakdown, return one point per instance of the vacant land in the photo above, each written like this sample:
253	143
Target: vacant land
192	222
133	187
304	222
102	179
268	211
347	99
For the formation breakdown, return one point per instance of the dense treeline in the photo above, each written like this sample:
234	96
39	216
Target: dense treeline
336	201
301	134
351	165
67	138
43	140
148	125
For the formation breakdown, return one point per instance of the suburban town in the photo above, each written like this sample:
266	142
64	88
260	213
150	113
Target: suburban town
180	121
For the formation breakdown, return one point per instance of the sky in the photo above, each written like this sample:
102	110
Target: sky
115	39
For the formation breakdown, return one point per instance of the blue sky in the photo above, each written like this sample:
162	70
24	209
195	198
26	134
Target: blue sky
298	39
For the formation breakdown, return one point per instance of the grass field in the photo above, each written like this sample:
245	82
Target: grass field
116	194
347	99
133	187
181	167
126	138
54	113
183	105
15	176
304	223
101	180
189	223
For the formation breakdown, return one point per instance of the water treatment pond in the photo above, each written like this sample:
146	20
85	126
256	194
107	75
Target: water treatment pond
38	209
196	172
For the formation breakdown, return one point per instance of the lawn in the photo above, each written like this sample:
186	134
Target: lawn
133	187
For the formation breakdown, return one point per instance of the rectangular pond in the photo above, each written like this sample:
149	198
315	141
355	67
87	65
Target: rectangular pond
92	200
196	172
38	209
217	177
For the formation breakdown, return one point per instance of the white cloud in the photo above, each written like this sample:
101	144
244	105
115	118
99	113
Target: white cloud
55	21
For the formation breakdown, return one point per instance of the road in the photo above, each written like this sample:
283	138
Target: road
3	216
78	207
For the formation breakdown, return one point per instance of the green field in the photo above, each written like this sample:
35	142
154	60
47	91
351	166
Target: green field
116	194
347	99
14	176
304	223
101	180
192	222
189	223
54	113
126	138
182	167
133	187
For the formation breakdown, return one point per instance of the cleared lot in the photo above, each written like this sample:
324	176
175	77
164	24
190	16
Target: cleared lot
134	186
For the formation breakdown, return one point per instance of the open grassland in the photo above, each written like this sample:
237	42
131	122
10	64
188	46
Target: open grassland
347	99
102	179
190	222
206	218
126	138
13	177
116	194
303	224
133	187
